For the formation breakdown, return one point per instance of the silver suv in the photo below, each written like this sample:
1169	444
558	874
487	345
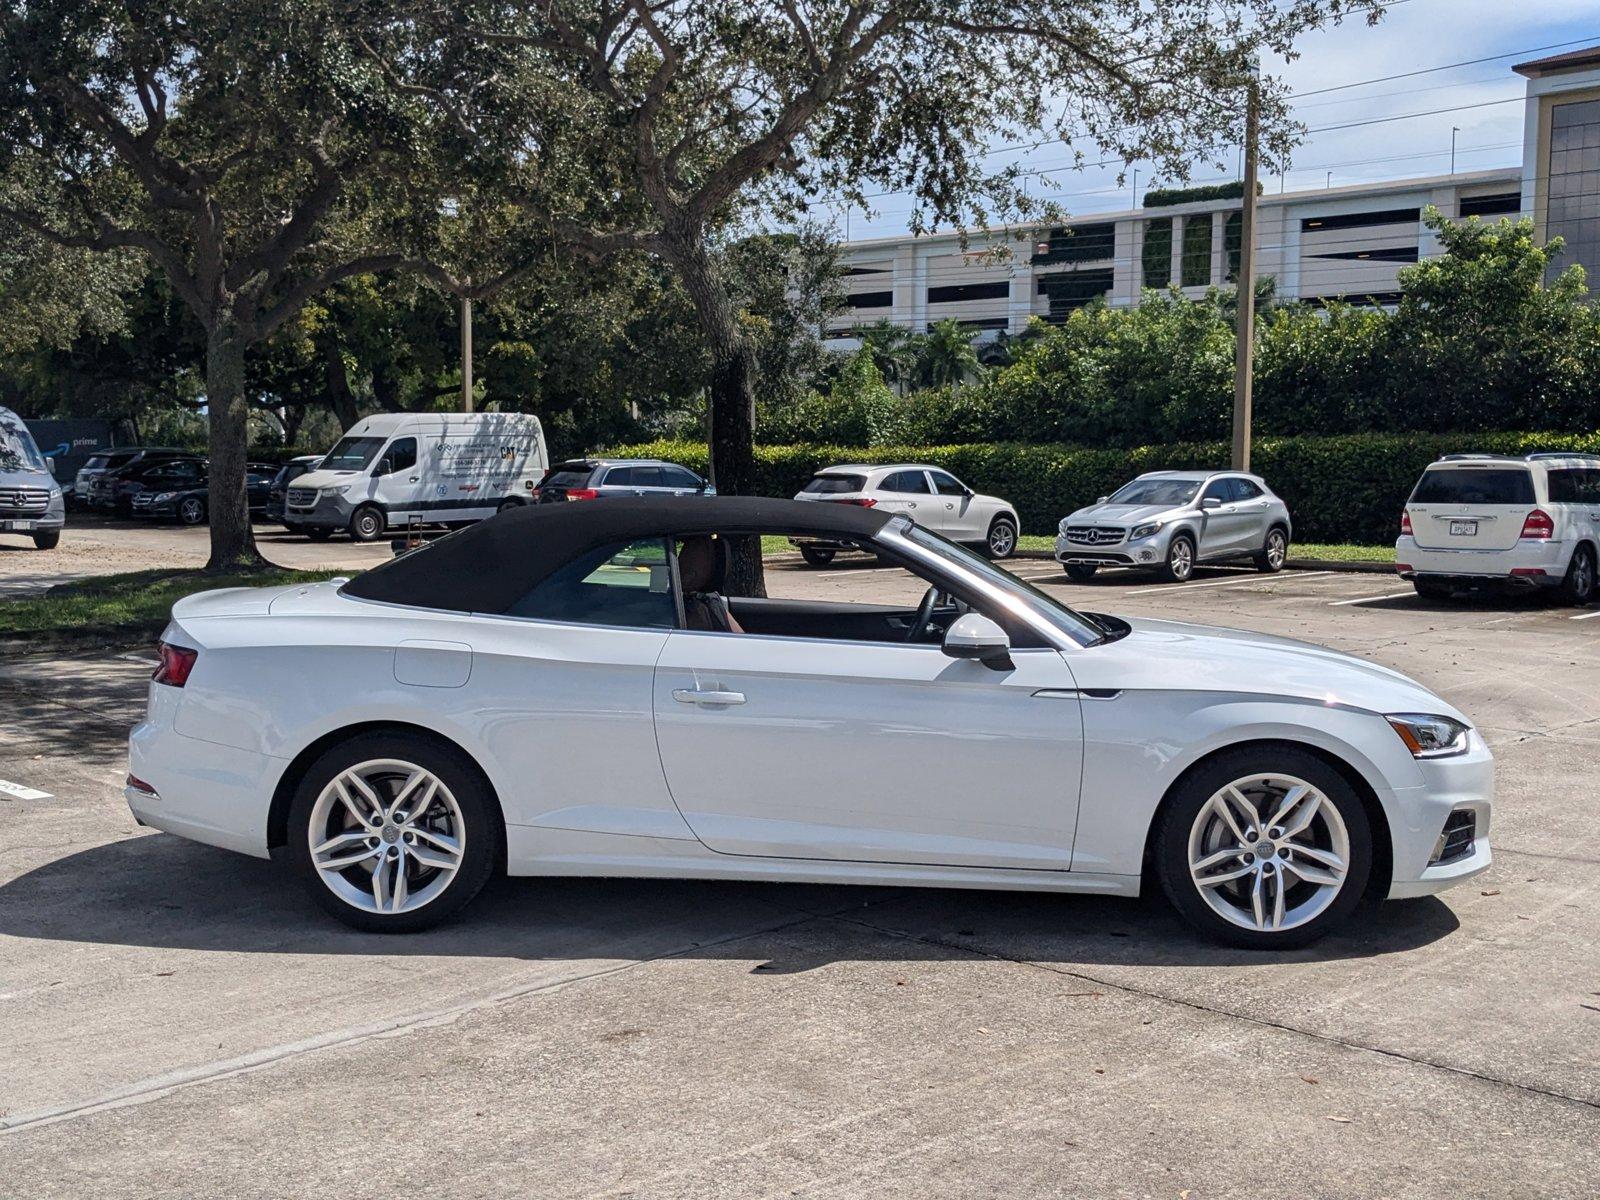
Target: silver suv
1172	520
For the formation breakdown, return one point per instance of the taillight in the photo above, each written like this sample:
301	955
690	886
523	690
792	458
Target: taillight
859	501
1539	525
1405	522
176	663
582	494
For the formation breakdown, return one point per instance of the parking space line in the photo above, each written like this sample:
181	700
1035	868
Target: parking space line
1254	577
1585	616
1372	599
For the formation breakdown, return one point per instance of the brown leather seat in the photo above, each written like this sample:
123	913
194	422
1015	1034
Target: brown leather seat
702	564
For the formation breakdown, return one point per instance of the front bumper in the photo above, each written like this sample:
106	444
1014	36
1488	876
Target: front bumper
330	510
1143	552
1464	783
1527	564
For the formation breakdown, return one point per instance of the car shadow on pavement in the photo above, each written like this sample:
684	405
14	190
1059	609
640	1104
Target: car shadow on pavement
163	892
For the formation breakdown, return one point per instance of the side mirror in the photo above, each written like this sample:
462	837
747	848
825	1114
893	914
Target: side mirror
975	636
384	466
707	489
1102	499
1211	502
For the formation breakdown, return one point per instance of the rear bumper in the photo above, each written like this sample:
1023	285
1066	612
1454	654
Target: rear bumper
1528	564
219	795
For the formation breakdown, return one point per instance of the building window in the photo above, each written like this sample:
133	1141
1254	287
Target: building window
1196	251
1574	189
1068	290
1156	258
1360	220
1233	243
1400	254
1501	203
1079	244
969	291
870	300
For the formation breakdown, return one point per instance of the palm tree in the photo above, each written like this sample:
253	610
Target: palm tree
894	352
945	357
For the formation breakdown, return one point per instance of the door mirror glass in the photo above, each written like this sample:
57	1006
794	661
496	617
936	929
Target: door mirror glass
975	636
1211	502
1102	499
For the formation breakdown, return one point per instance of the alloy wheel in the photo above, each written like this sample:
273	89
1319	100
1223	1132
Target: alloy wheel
1002	539
1268	852
1277	549
1180	559
191	512
386	836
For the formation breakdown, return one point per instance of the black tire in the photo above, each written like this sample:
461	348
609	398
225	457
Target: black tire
817	556
192	511
1081	572
482	835
1179	566
367	523
509	503
47	541
1001	540
1578	587
1182	808
1433	589
1274	551
318	533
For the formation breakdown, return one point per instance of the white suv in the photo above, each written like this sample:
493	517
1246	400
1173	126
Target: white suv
1475	519
933	498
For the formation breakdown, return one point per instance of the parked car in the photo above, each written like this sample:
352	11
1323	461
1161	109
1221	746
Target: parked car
564	690
1486	519
191	504
115	460
401	469
114	491
30	502
1173	520
930	496
600	478
278	489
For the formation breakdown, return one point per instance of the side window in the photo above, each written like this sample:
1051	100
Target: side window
621	584
402	454
649	477
1589	485
680	477
906	483
619	477
1243	489
1218	489
947	485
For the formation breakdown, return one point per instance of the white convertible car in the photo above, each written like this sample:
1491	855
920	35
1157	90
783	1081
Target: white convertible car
563	690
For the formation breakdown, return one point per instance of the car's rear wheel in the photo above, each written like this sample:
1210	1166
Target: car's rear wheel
393	834
1002	539
509	503
1179	565
1274	552
367	523
1433	589
1578	587
817	556
192	510
1266	847
1081	572
47	541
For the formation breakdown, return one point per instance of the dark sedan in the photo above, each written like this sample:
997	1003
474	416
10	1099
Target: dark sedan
114	491
191	503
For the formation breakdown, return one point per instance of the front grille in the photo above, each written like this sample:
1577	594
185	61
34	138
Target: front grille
1095	535
1458	838
303	497
144	499
24	501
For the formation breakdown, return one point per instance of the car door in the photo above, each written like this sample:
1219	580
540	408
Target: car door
808	748
959	516
908	492
398	487
1222	531
681	481
1254	513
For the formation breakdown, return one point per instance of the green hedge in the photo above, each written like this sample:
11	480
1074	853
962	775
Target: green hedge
1339	489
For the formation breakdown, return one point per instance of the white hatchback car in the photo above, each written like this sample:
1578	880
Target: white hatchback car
1477	519
930	496
563	690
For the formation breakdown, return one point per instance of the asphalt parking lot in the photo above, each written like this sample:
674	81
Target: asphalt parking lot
178	1020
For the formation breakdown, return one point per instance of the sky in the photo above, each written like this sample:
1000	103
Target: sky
1414	35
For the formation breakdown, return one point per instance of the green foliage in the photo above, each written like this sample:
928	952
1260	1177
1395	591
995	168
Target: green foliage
1346	489
129	602
1163	197
945	357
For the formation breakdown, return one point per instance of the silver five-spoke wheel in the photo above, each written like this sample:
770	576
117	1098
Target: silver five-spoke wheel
386	836
1269	852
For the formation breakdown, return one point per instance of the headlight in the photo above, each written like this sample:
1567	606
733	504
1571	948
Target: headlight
1428	736
337	491
1144	531
1062	528
161	498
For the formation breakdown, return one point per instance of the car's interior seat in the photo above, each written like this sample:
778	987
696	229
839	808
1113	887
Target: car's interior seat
702	567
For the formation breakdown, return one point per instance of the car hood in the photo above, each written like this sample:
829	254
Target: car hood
1120	514
322	479
1173	655
23	477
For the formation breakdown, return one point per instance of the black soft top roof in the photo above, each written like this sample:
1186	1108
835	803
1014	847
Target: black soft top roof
489	566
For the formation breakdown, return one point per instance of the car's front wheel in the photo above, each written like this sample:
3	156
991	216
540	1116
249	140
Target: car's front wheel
1266	847
318	533
367	523
393	834
1179	564
1274	552
817	556
47	541
1081	572
192	511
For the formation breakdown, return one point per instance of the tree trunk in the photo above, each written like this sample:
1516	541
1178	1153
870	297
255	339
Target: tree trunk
732	400
338	380
294	416
232	543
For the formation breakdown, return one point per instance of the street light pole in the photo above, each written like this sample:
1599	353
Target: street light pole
466	354
1245	283
1454	129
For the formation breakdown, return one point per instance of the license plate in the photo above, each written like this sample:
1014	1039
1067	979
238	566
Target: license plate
1463	528
17	526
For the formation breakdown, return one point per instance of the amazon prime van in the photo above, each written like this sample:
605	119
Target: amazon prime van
398	470
30	501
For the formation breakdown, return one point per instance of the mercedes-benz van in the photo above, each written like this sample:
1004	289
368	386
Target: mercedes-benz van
30	501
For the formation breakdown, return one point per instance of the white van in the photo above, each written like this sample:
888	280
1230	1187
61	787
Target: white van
400	469
30	501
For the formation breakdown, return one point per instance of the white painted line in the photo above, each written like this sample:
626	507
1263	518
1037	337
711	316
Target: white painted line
142	660
1372	599
1585	616
18	792
1255	577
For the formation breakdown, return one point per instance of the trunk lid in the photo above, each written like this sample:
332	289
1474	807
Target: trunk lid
1471	506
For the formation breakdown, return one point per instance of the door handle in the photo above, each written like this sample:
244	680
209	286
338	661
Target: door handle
413	479
714	698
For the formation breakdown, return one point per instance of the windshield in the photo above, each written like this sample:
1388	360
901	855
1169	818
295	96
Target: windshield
1024	596
1474	485
17	451
1170	492
352	454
